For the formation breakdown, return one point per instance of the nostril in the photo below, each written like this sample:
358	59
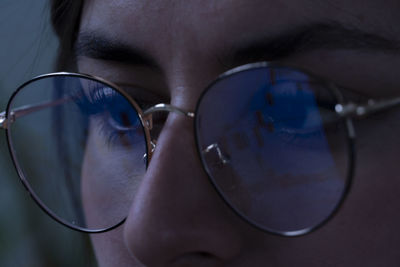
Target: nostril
204	254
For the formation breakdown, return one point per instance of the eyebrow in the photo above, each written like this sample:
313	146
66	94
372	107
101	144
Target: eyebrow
302	39
328	36
97	45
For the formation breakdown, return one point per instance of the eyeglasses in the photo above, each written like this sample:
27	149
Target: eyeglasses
276	143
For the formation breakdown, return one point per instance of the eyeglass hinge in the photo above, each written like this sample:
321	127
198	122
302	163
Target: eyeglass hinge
3	120
372	106
349	110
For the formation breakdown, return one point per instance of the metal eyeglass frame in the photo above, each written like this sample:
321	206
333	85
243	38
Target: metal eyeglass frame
345	110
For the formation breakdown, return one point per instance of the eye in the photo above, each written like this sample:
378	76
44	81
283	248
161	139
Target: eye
299	111
110	113
297	105
121	115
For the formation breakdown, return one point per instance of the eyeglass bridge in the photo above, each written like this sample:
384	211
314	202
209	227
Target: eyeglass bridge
167	108
161	107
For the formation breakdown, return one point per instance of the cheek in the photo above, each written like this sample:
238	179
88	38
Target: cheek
373	75
377	163
369	219
111	175
110	249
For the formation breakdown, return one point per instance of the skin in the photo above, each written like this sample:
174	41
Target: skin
175	216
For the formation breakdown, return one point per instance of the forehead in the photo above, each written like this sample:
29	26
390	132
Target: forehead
181	21
209	25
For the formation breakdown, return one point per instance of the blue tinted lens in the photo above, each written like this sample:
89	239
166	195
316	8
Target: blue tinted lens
79	146
274	148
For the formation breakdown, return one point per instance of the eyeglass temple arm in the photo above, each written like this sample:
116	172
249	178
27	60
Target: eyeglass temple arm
356	110
26	110
344	110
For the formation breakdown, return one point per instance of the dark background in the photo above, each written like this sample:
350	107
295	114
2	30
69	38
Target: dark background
28	237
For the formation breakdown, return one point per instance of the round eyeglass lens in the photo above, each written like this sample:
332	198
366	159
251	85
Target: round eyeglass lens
275	149
79	147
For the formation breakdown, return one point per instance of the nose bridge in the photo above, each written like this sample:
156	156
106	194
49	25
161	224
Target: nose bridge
176	214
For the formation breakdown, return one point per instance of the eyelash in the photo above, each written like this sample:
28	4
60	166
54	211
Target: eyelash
112	111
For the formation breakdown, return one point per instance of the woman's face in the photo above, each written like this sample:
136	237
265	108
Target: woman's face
172	50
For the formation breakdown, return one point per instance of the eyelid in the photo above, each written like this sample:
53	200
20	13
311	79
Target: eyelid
145	97
351	95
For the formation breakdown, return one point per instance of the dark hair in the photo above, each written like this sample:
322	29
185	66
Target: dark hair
65	18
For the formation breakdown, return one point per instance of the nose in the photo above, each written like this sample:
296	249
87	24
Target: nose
177	219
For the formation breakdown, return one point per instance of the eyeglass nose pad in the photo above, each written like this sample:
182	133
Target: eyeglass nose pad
153	147
223	157
220	169
148	121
